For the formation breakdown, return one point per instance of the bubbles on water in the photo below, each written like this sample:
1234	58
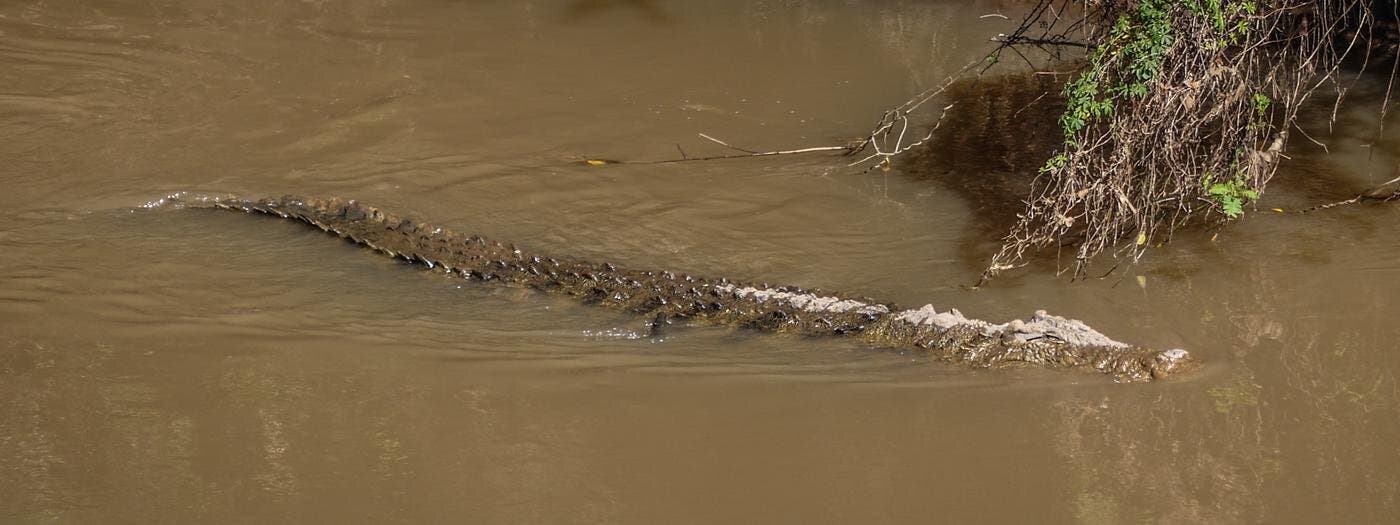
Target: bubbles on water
613	334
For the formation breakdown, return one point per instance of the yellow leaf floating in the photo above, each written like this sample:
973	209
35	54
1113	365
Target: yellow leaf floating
596	162
1142	238
1280	210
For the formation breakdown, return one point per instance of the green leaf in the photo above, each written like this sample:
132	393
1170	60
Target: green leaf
1232	207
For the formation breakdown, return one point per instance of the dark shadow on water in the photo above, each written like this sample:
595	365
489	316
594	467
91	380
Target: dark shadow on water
988	150
1002	129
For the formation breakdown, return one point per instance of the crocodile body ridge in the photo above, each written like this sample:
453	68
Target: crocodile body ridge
1041	339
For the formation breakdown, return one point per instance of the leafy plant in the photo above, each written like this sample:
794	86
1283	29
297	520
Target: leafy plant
1261	104
1124	66
1231	195
1220	16
1121	68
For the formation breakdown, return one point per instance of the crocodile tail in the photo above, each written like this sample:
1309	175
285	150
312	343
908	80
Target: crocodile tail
382	231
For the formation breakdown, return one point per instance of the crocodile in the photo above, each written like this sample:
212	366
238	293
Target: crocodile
666	297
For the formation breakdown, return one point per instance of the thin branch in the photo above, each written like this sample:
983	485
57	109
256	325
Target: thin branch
818	149
725	144
1013	40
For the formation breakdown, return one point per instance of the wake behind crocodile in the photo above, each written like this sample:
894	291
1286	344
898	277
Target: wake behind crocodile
662	296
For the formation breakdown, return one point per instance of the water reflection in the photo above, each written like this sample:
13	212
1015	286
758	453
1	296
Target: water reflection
186	367
1285	407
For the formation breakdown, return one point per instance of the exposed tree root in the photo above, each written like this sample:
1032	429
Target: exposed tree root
1181	109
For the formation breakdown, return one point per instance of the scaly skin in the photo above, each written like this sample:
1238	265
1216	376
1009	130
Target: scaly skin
1042	339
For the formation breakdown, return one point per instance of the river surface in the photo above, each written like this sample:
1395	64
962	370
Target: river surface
166	365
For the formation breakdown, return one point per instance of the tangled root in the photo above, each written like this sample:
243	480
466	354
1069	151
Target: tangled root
1179	111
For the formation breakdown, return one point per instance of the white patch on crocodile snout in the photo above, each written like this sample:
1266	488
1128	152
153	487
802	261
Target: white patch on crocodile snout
1171	358
806	301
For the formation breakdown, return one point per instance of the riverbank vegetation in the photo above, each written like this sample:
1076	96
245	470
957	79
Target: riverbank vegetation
1176	111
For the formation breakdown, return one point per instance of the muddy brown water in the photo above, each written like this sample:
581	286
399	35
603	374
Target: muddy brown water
177	366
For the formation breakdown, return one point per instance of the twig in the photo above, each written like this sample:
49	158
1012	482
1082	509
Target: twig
847	150
1371	194
899	146
1014	40
750	155
1310	139
725	144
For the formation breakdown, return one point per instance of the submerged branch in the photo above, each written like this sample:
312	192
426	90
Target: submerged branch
744	154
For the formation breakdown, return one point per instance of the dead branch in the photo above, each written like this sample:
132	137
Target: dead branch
1192	128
